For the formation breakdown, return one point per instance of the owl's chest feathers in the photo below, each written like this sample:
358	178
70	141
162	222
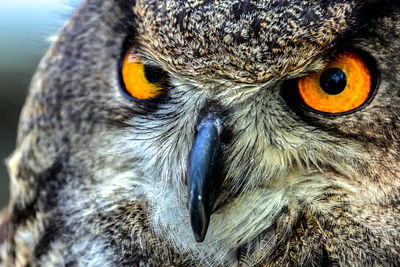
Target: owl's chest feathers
241	225
248	222
300	220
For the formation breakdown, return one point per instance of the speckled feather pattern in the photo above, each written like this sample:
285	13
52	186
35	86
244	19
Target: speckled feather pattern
246	41
99	180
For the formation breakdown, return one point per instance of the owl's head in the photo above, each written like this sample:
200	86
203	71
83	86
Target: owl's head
213	132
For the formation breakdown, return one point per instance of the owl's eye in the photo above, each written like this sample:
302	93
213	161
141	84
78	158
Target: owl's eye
343	86
138	80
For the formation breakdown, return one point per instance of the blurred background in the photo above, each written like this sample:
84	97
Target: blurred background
27	28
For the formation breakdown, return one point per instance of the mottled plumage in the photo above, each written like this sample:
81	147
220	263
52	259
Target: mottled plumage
98	179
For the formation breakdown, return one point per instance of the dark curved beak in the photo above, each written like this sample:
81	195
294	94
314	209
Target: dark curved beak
204	181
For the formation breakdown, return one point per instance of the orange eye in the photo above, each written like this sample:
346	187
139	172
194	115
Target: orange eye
141	81
344	85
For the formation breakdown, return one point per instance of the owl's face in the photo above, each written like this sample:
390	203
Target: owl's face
227	132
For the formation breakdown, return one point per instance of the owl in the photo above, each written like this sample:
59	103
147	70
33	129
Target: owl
211	133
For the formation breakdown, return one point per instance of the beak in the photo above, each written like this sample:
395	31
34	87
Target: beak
204	181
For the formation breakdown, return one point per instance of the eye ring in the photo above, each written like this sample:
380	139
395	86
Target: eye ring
138	81
375	81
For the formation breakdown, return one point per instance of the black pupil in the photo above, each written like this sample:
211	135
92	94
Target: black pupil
154	74
333	81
